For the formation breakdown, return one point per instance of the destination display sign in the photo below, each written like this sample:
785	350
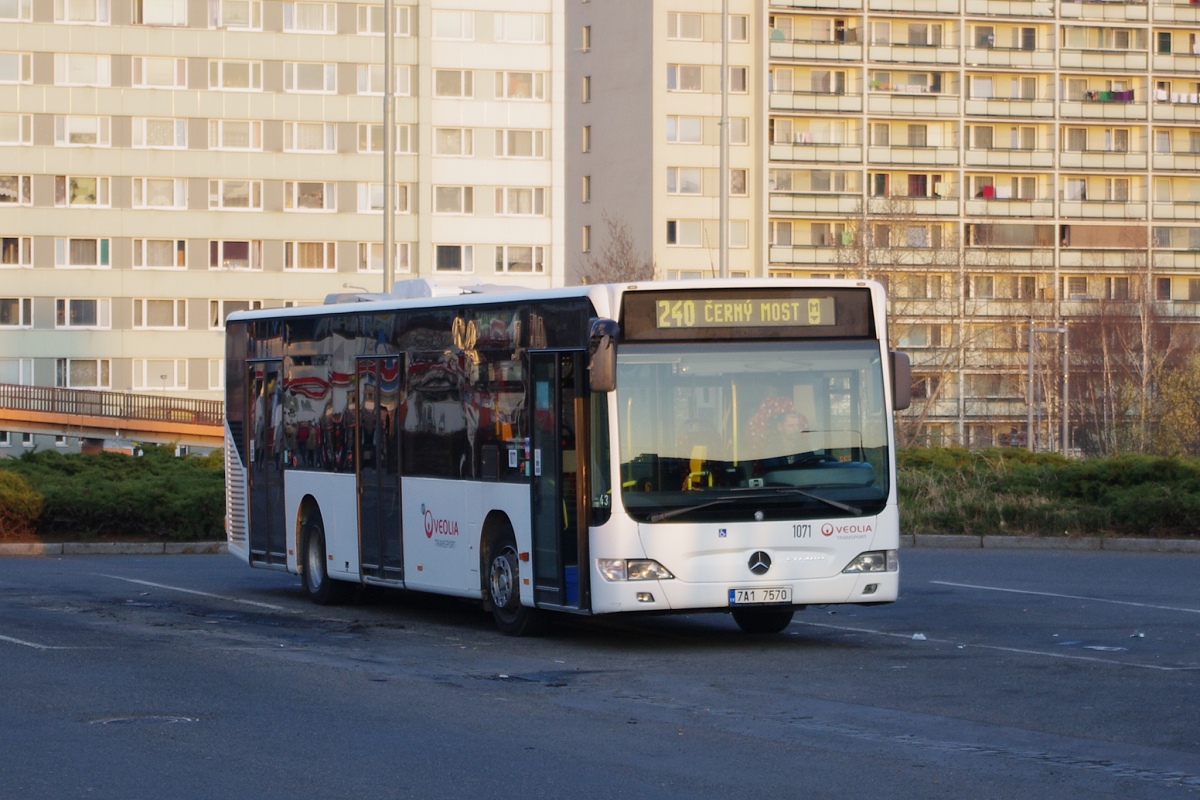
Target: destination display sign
752	313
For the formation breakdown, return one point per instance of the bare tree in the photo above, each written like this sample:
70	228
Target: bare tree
618	260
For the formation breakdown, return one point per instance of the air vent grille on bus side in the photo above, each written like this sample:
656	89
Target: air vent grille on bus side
235	491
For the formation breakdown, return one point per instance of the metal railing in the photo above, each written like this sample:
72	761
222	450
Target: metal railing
116	405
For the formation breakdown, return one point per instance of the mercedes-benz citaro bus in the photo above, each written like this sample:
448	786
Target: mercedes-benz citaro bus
684	446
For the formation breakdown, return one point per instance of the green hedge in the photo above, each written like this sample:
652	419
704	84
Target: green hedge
944	490
113	496
20	506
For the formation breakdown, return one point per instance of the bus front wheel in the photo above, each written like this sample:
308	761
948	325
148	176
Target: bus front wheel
319	587
763	620
504	590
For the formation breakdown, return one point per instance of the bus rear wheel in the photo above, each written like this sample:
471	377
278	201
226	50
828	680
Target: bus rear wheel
319	587
763	620
504	590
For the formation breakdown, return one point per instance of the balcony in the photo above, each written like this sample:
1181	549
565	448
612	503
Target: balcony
1167	11
1176	106
1180	309
995	409
1101	159
915	6
916	206
823	203
1176	62
826	102
1183	162
991	207
913	54
920	309
912	103
817	153
816	51
1109	109
1106	9
1008	157
1177	259
929	155
1006	107
1010	8
1117	60
1101	209
1121	259
820	5
1180	210
825	256
1009	57
1002	258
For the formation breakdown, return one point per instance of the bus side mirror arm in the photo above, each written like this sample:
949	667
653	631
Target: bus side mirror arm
602	355
901	380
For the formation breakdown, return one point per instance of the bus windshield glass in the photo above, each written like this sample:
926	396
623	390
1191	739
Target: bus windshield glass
752	430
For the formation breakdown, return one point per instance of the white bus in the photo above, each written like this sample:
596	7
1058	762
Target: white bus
669	446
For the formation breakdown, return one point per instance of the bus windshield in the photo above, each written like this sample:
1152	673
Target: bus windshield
756	430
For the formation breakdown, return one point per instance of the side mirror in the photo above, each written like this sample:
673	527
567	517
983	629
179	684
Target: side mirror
901	380
602	355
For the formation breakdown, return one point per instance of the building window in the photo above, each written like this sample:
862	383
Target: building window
162	374
159	314
454	25
160	132
685	130
309	78
738	127
453	200
81	191
370	257
159	73
159	254
216	373
168	193
519	28
234	134
235	195
235	254
82	253
370	20
18	371
93	12
309	137
94	313
513	258
219	310
16	251
739	233
585	239
587	189
520	144
520	202
309	196
684	233
685	78
82	131
684	180
160	12
453	142
585	90
453	83
685	26
17	68
16	11
27	439
739	80
585	38
320	256
83	373
310	17
74	69
587	138
370	198
16	129
739	28
16	312
235	76
370	80
4	439
454	258
520	86
235	14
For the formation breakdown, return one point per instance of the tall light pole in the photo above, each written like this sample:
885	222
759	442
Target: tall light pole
1066	384
389	144
723	183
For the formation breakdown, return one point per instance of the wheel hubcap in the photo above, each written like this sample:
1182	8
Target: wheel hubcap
503	579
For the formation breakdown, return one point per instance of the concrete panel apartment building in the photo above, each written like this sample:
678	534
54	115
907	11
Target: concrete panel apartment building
998	163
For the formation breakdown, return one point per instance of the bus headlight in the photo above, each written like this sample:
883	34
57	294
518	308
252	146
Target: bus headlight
634	569
877	561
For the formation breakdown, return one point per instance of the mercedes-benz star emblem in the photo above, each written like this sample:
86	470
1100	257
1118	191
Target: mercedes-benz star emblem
760	562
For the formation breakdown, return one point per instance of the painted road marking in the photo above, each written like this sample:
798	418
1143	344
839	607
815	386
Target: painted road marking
254	603
1067	596
34	645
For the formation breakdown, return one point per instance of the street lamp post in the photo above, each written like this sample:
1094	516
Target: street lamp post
1066	383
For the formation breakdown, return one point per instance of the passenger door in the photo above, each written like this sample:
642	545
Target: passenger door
268	449
378	467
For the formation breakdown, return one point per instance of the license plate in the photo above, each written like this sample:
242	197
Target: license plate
760	595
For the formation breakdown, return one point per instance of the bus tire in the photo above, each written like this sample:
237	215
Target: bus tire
504	590
319	587
763	620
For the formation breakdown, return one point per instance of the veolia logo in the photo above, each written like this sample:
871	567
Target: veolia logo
829	529
442	527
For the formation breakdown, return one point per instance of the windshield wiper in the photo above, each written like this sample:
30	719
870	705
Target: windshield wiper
849	509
